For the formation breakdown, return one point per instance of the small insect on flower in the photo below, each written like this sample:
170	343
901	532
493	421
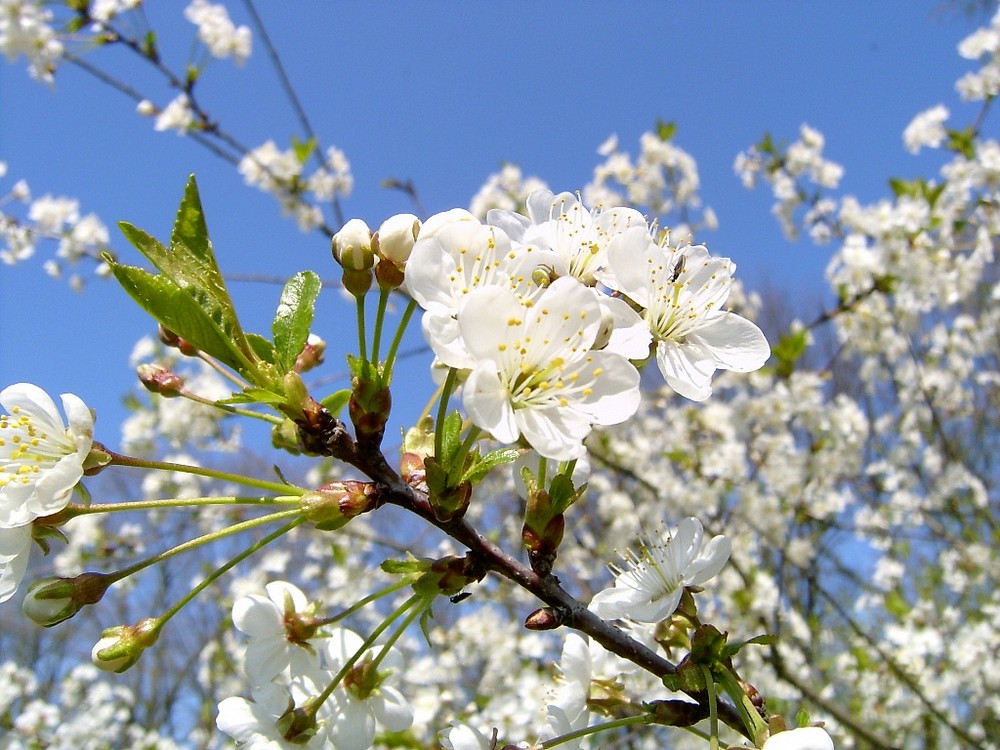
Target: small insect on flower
678	269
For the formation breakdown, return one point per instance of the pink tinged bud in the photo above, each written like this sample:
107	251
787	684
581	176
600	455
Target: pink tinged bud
394	239
158	379
121	646
352	246
311	355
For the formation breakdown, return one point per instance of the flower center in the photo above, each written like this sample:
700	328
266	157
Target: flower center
23	448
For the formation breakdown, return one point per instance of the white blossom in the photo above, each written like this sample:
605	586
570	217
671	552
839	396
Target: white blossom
681	292
217	31
650	587
41	458
534	373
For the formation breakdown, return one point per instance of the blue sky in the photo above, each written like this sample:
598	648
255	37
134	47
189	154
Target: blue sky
442	93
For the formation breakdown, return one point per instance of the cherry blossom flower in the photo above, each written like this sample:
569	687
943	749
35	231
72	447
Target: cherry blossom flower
280	629
367	700
575	239
650	588
534	372
217	31
802	738
255	724
682	293
41	458
454	254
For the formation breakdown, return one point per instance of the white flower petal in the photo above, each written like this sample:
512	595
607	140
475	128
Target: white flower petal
488	403
687	368
391	709
736	343
710	562
15	546
258	617
802	738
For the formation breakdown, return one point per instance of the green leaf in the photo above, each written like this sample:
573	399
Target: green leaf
451	439
179	310
789	349
963	142
481	466
666	130
189	264
336	401
901	187
262	348
294	317
303	149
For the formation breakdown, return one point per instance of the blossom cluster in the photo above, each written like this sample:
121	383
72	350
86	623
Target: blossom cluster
52	218
290	660
543	314
282	173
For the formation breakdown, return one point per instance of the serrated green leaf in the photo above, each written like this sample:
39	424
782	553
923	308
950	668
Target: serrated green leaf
294	317
190	229
482	465
179	310
190	264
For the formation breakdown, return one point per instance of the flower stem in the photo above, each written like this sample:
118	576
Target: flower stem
404	322
74	510
628	721
362	343
713	708
363	602
262	484
219	572
446	389
383	299
752	720
316	702
205	539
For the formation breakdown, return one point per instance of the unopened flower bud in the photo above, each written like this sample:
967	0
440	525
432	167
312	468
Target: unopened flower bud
159	379
334	504
449	575
311	355
352	246
53	600
394	239
545	618
121	646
